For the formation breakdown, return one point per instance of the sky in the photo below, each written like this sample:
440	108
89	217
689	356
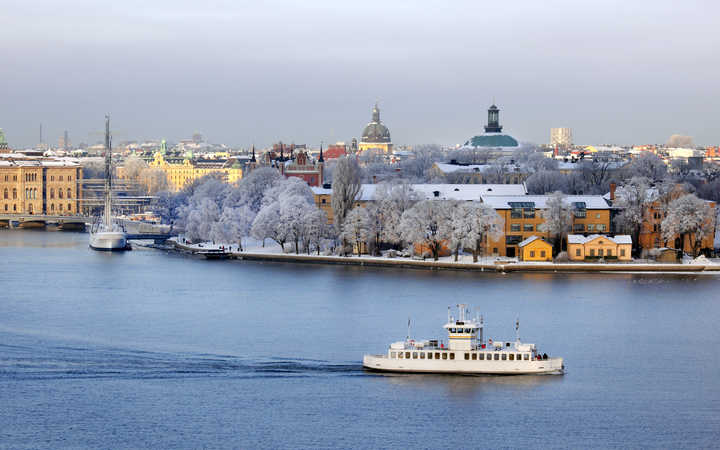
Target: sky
243	73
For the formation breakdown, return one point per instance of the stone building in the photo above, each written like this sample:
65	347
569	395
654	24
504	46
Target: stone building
376	135
39	186
181	171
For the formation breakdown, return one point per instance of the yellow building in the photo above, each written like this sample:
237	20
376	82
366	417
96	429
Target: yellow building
535	249
595	246
39	186
180	172
376	135
523	214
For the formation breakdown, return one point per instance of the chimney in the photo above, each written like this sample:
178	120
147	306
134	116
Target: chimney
612	191
374	179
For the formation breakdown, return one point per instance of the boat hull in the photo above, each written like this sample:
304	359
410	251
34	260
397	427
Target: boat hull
382	363
108	241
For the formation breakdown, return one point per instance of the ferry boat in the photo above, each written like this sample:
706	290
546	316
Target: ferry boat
466	352
105	234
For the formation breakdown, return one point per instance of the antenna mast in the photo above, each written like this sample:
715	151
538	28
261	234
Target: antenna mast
108	174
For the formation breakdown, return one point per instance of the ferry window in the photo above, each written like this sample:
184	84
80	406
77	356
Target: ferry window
467	330
452	355
422	355
414	355
497	357
526	357
481	356
437	355
400	355
444	355
519	356
474	357
504	356
452	330
407	355
467	356
512	357
393	354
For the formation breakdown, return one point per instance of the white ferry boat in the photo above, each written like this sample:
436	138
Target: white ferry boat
466	352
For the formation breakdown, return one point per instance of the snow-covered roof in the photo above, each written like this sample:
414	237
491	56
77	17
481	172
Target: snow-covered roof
463	192
540	201
471	168
580	239
528	240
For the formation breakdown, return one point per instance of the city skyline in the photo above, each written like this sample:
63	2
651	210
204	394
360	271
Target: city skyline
613	73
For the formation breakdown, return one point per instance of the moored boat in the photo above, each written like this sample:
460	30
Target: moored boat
466	352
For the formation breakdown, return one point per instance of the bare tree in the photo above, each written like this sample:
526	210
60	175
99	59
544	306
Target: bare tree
648	165
355	228
428	223
487	224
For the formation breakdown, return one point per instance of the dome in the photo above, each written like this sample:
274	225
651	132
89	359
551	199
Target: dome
375	131
492	140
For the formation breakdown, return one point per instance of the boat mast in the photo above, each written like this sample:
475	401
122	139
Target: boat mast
108	175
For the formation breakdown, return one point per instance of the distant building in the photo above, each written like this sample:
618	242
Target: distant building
32	185
181	171
595	246
376	135
493	138
336	151
3	142
303	167
535	249
561	137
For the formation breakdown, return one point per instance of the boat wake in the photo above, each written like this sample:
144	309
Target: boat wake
43	360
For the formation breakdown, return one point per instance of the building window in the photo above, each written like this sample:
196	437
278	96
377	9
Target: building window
14	194
601	227
52	207
591	227
6	207
14	207
526	357
529	213
592	252
514	227
528	227
579	227
609	252
69	207
52	192
5	194
542	253
597	216
495	250
474	356
322	201
69	193
61	177
600	252
60	193
532	253
622	252
516	213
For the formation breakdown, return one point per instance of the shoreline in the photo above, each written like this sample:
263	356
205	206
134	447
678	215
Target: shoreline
405	263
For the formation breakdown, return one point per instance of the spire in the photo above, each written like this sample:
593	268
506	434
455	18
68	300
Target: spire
493	124
253	154
320	159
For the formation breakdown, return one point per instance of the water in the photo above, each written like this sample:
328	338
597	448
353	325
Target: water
149	349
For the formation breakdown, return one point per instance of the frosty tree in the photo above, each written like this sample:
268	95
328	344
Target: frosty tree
486	223
689	218
355	228
200	219
558	218
427	223
316	229
345	188
648	165
267	225
633	199
233	225
392	200
461	226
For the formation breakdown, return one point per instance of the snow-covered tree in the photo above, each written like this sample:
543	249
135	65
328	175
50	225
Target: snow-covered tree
200	220
133	167
427	223
545	181
392	200
648	165
294	211
316	229
691	219
268	225
345	188
461	226
633	199
153	180
288	187
487	224
355	228
233	225
558	218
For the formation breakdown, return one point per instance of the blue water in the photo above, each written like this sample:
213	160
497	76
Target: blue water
150	349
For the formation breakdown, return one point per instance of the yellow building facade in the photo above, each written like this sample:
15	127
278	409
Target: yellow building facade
39	186
535	249
581	248
182	172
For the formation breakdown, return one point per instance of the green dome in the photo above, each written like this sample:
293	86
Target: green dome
492	140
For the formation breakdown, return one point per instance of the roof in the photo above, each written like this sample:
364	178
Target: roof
476	168
540	201
530	240
492	140
464	192
580	239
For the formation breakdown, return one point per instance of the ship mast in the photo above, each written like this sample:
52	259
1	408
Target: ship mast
108	175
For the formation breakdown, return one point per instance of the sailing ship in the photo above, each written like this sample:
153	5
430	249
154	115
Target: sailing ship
105	234
466	352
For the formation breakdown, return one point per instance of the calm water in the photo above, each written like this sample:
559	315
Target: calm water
147	349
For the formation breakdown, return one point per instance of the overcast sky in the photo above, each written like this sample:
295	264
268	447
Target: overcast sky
624	72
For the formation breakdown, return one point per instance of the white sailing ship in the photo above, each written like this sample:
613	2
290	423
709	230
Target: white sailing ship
105	234
466	352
